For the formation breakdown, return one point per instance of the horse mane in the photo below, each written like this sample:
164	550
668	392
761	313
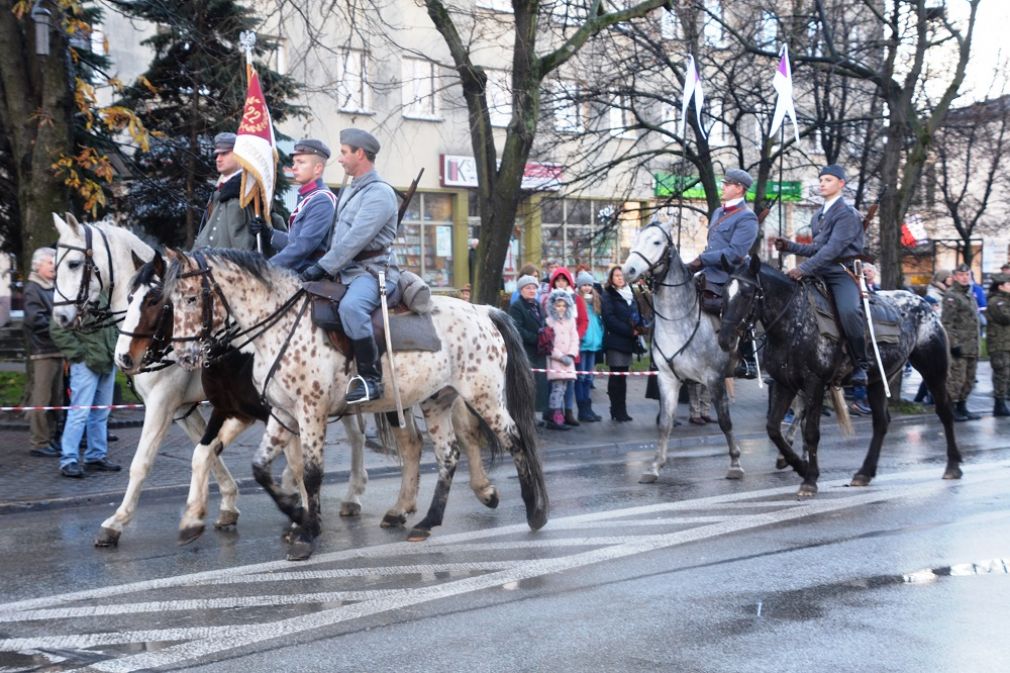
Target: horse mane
144	276
769	272
247	260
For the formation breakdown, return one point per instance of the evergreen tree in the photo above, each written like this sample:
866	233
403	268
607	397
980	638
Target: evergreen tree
194	88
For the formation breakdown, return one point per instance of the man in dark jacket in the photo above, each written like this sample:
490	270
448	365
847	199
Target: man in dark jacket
47	361
838	242
960	319
92	378
226	223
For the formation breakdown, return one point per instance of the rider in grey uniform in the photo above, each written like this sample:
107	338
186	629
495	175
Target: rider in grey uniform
360	248
838	242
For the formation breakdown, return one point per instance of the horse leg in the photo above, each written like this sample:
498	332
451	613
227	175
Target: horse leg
312	432
721	400
276	439
933	367
669	391
220	431
158	412
351	504
408	444
779	400
811	438
438	417
877	400
467	429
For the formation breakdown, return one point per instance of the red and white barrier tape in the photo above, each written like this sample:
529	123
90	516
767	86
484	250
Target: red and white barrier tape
595	373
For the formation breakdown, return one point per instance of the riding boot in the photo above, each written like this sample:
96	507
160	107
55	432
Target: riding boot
962	414
570	418
972	416
1000	408
367	385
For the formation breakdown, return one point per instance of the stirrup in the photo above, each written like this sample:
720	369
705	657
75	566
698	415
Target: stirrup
366	390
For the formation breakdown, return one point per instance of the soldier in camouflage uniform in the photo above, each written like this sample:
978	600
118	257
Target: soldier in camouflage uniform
998	339
960	319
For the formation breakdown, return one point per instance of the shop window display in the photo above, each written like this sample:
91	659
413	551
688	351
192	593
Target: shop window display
424	245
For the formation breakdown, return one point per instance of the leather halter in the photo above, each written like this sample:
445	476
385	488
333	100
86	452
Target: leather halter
213	344
748	322
156	355
103	314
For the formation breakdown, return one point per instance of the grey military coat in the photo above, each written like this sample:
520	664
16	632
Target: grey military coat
227	223
837	233
730	234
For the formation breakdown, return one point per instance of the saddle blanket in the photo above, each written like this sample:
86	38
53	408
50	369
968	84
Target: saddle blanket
886	325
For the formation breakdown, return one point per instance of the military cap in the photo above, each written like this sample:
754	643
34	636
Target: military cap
359	138
1000	278
962	268
834	170
312	146
739	176
224	143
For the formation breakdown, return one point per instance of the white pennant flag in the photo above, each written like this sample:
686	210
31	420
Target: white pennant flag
692	90
783	83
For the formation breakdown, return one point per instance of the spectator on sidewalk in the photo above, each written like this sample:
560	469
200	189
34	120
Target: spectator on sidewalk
528	319
998	341
592	342
92	379
622	326
47	360
526	270
561	364
561	279
701	403
960	318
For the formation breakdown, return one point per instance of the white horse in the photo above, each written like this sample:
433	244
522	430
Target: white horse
685	343
303	377
89	259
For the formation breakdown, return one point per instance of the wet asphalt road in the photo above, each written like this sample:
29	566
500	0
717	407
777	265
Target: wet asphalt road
694	573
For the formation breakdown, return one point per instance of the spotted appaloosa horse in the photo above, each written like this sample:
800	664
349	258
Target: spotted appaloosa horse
146	338
801	360
684	344
481	361
97	258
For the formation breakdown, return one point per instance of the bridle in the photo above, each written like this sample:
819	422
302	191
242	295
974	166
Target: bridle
104	315
156	356
748	323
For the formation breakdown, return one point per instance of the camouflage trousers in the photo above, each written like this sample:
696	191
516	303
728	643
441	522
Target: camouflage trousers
1000	361
961	379
699	398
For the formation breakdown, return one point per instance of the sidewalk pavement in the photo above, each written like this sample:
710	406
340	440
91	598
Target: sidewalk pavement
28	482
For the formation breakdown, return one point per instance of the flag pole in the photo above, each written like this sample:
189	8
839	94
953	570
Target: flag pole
782	148
247	40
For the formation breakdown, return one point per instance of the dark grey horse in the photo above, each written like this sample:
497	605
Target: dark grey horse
803	361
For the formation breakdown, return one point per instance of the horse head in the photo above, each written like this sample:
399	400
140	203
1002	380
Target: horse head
196	316
79	271
147	326
654	252
740	298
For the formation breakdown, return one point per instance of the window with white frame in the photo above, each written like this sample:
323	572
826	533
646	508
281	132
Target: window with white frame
814	142
352	85
496	5
713	28
567	106
767	30
499	97
669	27
420	87
717	131
621	117
569	12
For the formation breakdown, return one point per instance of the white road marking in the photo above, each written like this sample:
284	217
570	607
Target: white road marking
199	642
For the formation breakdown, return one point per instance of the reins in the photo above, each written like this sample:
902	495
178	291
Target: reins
104	315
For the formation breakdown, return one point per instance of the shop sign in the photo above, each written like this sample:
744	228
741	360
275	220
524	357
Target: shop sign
668	184
461	171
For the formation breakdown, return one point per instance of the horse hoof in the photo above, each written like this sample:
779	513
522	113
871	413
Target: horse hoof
735	473
537	519
189	534
780	463
952	473
491	501
350	509
300	550
226	519
860	480
648	478
107	537
418	535
807	491
393	520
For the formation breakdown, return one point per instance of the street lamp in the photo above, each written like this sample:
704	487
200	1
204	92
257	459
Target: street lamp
41	17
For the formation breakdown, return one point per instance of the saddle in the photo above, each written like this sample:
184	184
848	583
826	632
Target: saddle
709	295
410	329
886	321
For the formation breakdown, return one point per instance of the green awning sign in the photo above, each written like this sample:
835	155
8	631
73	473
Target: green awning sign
668	184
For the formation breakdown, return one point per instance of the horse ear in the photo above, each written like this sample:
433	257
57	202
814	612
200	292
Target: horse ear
159	264
137	261
71	220
755	265
61	226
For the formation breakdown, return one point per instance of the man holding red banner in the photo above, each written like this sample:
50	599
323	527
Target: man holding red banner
226	224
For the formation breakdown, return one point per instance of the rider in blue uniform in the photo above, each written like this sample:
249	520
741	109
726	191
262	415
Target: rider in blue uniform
360	248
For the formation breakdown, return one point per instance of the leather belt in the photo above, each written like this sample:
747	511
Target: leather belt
365	255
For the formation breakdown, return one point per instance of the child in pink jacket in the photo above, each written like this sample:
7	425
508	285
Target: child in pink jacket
561	367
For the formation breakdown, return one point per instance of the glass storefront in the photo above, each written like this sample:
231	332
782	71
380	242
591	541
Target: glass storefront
424	245
581	232
513	258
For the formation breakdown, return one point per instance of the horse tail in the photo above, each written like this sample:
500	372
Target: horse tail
520	398
841	411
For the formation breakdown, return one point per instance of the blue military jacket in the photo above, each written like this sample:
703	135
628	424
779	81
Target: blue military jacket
309	228
837	234
731	232
366	223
